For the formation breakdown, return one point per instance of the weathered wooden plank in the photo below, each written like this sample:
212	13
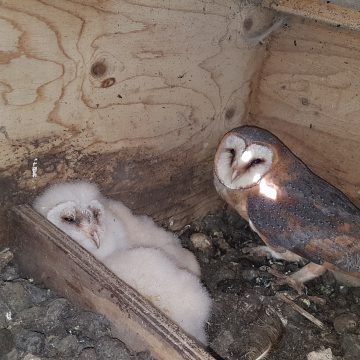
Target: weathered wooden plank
323	11
50	256
352	4
308	95
133	95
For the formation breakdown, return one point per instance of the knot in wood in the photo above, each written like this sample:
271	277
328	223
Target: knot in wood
248	23
108	82
98	69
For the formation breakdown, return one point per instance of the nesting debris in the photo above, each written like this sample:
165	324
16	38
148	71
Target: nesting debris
37	324
346	323
5	257
351	346
243	289
320	355
301	311
265	334
200	241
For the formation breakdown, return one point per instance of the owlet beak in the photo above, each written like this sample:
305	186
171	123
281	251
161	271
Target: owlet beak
95	238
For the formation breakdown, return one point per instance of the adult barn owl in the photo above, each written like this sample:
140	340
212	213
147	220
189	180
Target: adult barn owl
295	212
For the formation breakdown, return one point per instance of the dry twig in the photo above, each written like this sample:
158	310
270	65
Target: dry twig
301	311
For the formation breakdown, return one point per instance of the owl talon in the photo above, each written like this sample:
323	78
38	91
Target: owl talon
287	280
257	251
294	284
267	251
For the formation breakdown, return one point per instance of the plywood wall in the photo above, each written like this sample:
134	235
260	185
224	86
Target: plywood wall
309	95
133	95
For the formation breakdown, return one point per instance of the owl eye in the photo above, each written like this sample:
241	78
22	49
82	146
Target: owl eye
232	155
255	162
96	213
69	219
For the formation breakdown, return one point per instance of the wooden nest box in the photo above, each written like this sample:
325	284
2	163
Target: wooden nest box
135	95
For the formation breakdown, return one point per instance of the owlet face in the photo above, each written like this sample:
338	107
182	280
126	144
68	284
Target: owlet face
82	223
241	166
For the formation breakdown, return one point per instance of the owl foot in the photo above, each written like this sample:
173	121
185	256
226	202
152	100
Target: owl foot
297	280
287	280
299	287
267	251
258	251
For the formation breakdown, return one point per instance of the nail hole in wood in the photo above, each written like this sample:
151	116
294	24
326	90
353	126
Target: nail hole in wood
305	101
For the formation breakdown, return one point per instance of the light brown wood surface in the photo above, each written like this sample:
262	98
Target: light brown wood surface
133	95
309	96
338	14
60	263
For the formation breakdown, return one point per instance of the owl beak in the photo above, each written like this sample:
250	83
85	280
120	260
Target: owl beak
236	173
95	238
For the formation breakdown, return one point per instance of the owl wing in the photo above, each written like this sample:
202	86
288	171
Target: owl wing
311	218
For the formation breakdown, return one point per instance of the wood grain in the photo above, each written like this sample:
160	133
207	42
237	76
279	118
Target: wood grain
308	95
133	95
60	263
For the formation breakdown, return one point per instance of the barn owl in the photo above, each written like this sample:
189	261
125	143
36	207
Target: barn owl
296	213
102	225
147	257
78	209
176	292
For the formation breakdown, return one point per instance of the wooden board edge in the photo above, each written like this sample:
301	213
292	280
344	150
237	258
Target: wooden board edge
314	9
49	256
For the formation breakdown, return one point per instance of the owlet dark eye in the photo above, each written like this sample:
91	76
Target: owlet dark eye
69	219
96	213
